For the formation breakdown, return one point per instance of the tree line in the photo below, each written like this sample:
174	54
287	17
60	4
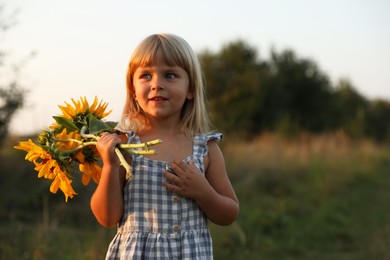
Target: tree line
248	95
286	94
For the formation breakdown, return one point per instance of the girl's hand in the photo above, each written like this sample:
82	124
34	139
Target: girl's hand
107	200
106	148
187	180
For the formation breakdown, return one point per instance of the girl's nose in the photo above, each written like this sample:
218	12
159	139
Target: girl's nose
157	83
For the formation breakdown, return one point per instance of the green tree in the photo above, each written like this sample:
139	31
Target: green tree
233	79
298	95
287	94
378	119
350	109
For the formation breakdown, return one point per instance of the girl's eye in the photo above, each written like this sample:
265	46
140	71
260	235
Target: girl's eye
170	76
146	76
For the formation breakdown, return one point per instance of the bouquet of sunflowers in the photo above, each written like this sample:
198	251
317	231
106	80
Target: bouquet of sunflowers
71	141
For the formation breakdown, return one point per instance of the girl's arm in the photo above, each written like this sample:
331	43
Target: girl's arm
213	193
107	200
219	202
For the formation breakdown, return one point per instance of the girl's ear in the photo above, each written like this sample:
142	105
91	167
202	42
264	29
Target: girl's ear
190	95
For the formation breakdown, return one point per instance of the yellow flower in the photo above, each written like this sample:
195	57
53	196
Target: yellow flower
68	138
46	169
82	107
47	166
34	152
90	170
62	182
44	163
72	140
68	144
79	111
50	169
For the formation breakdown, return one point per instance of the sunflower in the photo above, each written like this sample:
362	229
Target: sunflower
34	152
81	107
90	170
86	157
62	182
67	143
47	166
56	149
72	140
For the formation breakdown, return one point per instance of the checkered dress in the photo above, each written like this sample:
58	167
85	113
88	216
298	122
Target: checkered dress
158	223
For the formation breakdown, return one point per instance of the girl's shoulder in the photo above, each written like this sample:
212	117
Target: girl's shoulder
206	143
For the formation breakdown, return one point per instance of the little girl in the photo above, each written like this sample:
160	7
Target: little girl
162	212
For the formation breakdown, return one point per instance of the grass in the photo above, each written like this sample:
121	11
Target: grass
312	197
29	241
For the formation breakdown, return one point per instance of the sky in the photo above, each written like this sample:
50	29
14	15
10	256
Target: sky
82	48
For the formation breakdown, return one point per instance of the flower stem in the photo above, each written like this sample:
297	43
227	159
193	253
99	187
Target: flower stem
124	163
126	147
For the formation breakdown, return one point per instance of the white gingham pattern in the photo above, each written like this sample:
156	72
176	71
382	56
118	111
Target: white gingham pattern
156	222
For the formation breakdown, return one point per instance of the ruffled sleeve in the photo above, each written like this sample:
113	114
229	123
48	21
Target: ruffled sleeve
201	141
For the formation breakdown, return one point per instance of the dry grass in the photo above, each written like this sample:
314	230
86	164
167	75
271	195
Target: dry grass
271	153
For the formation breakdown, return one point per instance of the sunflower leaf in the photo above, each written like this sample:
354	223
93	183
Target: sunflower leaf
97	126
110	124
68	124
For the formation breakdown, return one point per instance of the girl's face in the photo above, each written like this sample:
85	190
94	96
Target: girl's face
161	90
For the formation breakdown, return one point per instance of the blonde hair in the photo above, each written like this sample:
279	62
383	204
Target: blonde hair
173	51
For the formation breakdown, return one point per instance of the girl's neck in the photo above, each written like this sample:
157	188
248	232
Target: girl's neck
175	144
161	127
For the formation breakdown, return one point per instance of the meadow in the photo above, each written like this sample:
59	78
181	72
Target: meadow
309	197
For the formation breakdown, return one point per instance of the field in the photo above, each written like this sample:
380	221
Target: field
311	197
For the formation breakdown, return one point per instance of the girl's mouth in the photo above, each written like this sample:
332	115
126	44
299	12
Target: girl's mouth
157	98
